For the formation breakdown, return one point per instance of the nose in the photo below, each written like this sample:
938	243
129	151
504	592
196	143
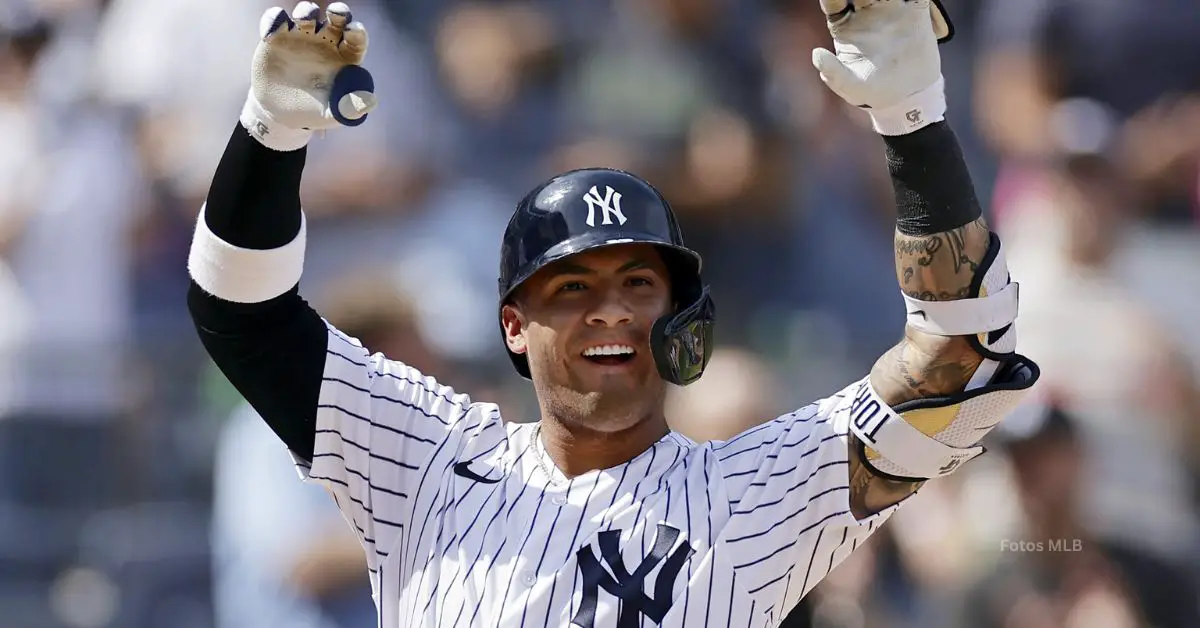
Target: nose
610	311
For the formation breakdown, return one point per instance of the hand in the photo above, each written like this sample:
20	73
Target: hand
887	60
306	75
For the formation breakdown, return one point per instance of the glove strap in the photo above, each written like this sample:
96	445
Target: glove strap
913	113
268	131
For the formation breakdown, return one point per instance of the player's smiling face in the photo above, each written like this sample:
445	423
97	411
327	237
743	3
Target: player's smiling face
584	324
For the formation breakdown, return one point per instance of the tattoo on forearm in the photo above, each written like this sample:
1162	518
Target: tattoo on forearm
944	262
870	493
940	267
923	368
958	250
922	249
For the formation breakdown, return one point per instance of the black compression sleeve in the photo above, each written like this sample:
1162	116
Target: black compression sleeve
272	352
254	199
931	182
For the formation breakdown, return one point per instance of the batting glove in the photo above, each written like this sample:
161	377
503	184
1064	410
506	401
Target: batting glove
306	75
887	61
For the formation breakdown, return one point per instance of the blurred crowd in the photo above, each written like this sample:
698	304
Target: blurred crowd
138	491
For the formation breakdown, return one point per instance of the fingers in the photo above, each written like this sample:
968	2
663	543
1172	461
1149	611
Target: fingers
337	17
274	21
354	43
943	28
835	9
833	73
337	27
305	16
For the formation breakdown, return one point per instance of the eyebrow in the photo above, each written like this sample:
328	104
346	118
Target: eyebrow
567	268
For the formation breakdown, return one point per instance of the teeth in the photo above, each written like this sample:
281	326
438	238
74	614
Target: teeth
609	350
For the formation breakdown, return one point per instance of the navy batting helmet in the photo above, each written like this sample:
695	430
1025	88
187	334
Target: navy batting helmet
592	208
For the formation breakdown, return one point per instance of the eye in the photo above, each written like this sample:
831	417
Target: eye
640	281
572	286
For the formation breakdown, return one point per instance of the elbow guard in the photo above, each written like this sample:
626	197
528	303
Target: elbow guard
988	317
932	437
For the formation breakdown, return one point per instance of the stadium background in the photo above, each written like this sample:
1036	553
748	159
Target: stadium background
136	492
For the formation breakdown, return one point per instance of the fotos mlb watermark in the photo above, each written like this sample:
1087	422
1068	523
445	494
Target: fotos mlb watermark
1049	545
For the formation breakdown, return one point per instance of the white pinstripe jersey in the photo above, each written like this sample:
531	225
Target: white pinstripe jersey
465	522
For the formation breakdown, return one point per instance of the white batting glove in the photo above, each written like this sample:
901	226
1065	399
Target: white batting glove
887	60
306	75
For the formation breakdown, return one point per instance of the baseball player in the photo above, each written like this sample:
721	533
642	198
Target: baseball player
597	515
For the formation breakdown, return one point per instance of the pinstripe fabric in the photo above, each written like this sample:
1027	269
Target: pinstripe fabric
728	533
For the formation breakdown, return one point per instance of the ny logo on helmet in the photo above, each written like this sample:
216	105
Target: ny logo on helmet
609	205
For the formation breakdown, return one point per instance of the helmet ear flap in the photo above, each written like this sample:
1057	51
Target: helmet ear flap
682	342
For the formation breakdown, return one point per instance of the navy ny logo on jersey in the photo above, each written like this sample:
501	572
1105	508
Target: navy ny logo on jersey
630	587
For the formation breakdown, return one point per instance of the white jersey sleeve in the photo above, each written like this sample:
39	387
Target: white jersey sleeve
789	501
378	424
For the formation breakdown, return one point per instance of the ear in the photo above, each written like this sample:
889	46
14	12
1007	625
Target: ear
514	328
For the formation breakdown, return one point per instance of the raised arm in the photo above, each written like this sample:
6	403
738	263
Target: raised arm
364	426
248	249
931	398
937	266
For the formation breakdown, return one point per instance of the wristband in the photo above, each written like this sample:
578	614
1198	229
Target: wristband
913	113
268	131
